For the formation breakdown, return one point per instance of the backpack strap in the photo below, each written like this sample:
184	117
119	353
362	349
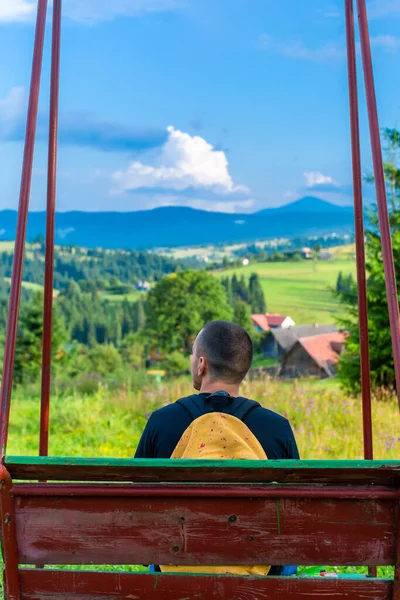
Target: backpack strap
191	406
243	407
195	409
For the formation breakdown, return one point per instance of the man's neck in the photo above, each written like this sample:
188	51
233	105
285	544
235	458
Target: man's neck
210	387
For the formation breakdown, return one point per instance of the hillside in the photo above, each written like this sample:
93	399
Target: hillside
179	226
300	289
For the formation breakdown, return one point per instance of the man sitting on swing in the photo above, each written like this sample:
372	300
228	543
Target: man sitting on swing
217	423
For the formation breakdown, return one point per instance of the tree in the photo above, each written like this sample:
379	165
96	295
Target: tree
104	359
140	315
256	295
242	316
227	283
179	305
72	291
176	363
382	366
28	355
339	283
133	352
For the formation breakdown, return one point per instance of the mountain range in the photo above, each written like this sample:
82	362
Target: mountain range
181	226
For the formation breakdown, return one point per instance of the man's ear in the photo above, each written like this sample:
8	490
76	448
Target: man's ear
202	366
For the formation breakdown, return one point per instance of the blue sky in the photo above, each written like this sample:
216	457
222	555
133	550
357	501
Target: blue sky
232	105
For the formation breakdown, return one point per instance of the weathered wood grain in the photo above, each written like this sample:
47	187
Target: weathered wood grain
63	585
198	531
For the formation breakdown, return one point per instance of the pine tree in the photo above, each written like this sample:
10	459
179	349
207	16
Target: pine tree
28	355
140	315
242	316
339	283
256	295
243	289
235	285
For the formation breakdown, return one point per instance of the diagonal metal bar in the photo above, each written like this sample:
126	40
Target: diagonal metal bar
16	280
51	209
359	230
387	250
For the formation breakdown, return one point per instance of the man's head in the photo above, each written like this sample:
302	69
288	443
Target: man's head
222	352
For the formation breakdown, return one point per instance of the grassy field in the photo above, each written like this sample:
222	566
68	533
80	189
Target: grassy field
327	423
300	289
118	298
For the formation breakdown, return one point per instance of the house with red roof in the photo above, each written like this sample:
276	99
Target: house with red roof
265	322
314	356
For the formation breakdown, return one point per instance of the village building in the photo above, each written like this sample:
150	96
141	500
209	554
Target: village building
306	253
278	342
325	255
265	322
315	356
143	286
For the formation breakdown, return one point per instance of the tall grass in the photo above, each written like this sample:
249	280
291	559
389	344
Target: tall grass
327	423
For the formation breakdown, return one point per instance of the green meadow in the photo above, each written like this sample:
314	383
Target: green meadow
326	421
302	290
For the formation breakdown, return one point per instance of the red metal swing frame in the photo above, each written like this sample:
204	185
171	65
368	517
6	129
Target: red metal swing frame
118	472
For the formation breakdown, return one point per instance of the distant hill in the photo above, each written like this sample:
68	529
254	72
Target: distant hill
310	204
179	226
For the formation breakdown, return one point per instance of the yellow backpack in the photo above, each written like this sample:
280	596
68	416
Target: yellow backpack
220	436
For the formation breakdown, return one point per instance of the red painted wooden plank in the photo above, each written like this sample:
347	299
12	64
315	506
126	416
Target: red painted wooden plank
195	531
223	474
206	491
62	585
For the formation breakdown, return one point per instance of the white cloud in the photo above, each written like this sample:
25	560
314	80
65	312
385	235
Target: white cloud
62	233
314	178
329	52
388	42
378	9
326	53
16	10
185	162
88	11
11	108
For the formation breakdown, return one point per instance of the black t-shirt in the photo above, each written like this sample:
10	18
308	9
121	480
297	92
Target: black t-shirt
167	425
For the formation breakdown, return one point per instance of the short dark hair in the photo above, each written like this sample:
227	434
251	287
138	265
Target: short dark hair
228	349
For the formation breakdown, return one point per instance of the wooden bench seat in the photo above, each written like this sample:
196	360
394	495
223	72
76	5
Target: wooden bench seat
118	512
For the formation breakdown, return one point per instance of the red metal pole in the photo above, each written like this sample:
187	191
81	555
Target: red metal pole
51	208
359	229
15	295
387	250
